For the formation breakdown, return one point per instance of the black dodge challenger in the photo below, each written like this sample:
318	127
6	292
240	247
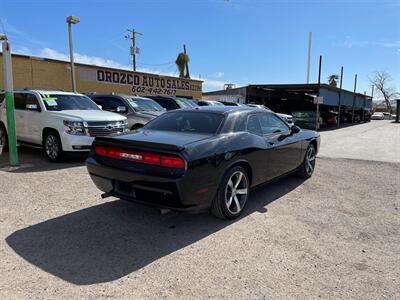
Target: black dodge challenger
203	158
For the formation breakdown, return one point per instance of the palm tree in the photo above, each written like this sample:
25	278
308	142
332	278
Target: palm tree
332	80
181	62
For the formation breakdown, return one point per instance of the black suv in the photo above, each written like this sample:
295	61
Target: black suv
171	103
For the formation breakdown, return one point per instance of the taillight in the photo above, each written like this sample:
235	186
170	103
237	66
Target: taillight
172	162
169	161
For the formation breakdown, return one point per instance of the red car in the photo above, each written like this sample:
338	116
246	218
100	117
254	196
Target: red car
331	120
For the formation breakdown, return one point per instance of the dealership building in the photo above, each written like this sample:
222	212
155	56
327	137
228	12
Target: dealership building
43	73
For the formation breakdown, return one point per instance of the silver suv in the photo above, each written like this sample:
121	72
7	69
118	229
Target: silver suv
138	110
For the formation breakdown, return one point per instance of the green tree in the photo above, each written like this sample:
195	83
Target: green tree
181	62
333	79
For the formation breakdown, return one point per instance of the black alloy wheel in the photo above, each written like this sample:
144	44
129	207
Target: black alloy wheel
232	195
307	167
3	138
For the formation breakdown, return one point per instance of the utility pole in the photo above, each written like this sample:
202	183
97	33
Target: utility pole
340	96
134	49
187	64
9	95
309	57
354	98
319	87
372	93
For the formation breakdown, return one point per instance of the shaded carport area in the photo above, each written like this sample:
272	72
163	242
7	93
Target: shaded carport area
298	100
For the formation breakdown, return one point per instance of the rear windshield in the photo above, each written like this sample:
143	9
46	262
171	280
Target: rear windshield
192	122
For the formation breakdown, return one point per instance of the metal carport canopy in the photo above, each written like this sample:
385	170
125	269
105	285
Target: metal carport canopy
330	93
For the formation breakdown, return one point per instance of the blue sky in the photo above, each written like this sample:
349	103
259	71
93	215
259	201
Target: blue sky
238	41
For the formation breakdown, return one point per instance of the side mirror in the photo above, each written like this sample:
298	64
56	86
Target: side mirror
121	109
34	107
295	129
100	106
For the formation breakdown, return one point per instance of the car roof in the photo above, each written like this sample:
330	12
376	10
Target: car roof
118	95
46	92
221	109
174	98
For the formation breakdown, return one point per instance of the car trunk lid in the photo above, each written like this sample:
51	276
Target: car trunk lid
154	140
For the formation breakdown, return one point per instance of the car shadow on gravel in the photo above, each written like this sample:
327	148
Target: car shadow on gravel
111	240
33	160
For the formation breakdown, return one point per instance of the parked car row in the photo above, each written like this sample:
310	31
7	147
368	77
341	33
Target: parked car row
378	116
389	116
166	103
191	157
63	123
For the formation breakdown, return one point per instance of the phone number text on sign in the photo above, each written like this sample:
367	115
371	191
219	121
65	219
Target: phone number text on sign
153	91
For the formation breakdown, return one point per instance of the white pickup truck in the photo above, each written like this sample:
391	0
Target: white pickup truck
59	122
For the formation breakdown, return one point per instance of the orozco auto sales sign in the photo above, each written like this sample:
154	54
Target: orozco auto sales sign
142	83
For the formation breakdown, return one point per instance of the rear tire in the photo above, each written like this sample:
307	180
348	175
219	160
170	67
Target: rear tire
3	137
232	194
52	146
307	167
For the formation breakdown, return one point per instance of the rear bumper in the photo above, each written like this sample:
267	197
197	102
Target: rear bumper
173	193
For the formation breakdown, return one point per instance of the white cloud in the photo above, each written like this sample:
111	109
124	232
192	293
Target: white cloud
19	37
219	74
349	42
82	58
22	50
395	44
211	84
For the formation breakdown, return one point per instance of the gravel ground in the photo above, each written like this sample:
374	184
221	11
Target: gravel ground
334	236
378	140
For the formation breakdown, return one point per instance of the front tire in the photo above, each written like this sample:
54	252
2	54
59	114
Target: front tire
52	147
307	167
232	195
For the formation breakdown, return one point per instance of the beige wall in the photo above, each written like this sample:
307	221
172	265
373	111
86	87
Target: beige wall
33	72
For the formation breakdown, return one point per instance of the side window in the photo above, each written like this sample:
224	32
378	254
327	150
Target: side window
272	124
240	122
169	105
20	101
98	101
253	125
110	103
32	102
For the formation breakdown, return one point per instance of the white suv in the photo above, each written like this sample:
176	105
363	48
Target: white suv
60	122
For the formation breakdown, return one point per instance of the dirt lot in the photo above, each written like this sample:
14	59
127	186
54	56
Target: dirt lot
334	236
